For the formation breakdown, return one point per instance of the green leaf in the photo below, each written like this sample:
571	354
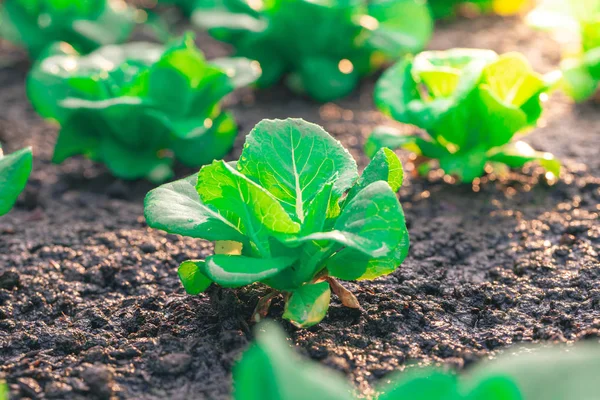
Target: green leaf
371	223
294	160
511	79
14	172
191	276
176	208
395	90
270	370
540	373
422	385
350	265
385	166
245	204
577	81
213	143
386	137
241	71
404	26
236	271
308	305
517	154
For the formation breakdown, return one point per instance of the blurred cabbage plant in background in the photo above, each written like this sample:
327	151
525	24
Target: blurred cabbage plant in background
324	46
84	24
137	107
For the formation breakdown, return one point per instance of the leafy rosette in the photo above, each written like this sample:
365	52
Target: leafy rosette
14	172
471	104
84	24
324	46
293	214
579	19
137	107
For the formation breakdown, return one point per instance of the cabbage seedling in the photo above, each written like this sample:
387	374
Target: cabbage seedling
138	106
14	172
579	19
86	25
325	47
471	103
293	214
271	370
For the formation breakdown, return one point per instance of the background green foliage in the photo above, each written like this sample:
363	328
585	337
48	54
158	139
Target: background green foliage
323	46
84	24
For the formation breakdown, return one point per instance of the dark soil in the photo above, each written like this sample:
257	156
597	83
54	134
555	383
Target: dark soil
91	306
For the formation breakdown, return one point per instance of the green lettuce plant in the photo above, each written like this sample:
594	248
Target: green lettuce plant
581	19
14	172
324	47
271	370
471	103
291	213
448	8
85	24
138	106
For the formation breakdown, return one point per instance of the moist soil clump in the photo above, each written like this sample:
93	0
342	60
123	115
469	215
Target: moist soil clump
91	306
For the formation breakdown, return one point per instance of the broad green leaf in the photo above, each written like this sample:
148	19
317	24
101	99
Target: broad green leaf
236	271
578	82
319	209
402	27
192	278
422	385
385	166
519	153
294	160
512	79
350	265
395	90
543	373
326	79
176	208
245	204
271	370
14	172
371	223
496	388
308	304
212	143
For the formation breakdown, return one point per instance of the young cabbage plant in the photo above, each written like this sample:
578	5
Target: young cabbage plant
449	8
291	213
14	172
271	370
84	24
579	19
324	47
138	106
471	103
